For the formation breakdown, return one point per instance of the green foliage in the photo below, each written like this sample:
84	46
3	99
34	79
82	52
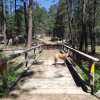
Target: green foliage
10	24
84	76
1	89
7	80
19	20
59	26
97	78
8	77
40	20
51	19
11	76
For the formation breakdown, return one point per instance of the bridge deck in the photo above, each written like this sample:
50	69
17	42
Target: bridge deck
45	81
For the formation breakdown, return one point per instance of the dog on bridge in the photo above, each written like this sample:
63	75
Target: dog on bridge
60	55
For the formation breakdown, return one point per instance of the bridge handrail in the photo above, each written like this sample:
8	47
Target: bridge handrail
83	54
36	50
10	57
76	56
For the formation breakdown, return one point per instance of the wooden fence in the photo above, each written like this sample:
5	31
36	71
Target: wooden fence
26	55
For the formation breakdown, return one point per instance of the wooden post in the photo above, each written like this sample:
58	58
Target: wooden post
34	53
40	49
3	71
26	58
92	70
62	47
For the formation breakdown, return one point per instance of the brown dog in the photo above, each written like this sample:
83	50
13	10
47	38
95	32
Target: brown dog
62	56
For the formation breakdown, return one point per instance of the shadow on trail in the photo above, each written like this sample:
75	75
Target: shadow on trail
28	74
38	62
75	76
17	91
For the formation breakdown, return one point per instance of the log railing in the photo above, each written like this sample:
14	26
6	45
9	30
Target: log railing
80	57
27	55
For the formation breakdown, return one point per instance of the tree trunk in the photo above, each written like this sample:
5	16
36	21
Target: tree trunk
25	17
78	24
10	7
30	25
13	34
4	22
93	27
15	10
70	19
1	17
85	24
11	18
83	37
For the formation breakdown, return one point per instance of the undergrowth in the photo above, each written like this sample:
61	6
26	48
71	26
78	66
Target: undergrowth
96	74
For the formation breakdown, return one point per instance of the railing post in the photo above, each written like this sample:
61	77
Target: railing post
63	47
3	72
34	53
60	46
92	70
26	59
40	49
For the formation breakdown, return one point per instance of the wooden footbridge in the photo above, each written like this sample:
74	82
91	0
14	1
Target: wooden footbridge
40	79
